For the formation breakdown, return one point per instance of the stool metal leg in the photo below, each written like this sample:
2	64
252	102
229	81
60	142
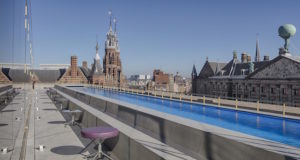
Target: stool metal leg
97	154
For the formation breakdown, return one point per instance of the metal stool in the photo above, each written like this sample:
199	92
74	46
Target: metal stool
73	113
98	133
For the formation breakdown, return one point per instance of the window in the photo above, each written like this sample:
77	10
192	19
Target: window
295	92
283	91
253	89
272	90
262	90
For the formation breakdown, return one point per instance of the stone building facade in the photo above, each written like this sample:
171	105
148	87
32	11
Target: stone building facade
274	81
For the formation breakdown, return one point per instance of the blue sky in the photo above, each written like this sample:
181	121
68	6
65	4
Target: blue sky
168	34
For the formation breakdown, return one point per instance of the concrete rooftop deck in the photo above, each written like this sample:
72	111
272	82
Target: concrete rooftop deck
60	142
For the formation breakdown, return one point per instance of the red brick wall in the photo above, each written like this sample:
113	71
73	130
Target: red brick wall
159	77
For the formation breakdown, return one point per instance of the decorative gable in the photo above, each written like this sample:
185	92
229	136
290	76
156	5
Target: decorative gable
3	78
281	68
206	71
68	78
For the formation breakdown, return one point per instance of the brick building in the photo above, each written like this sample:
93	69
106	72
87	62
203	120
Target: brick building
269	81
112	65
3	78
73	74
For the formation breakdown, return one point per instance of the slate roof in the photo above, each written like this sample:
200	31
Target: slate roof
293	58
86	71
214	65
239	67
44	76
210	69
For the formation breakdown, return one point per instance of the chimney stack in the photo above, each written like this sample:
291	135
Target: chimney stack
84	64
244	57
234	55
248	58
266	58
73	66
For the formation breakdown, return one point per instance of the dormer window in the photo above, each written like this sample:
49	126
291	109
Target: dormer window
222	72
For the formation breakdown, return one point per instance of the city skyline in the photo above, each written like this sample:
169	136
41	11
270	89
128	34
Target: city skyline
171	36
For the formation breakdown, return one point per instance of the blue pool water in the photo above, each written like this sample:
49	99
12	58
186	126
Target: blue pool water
283	130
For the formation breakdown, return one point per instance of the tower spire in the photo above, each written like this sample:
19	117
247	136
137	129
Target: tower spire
110	13
97	48
115	22
257	53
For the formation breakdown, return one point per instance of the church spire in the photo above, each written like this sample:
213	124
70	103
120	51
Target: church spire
97	48
194	72
110	25
257	53
115	23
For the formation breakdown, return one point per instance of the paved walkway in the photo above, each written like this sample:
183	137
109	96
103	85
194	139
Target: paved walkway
60	142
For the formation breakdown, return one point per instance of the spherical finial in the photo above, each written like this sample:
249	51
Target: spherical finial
286	31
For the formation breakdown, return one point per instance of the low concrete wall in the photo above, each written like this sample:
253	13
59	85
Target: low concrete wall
122	148
5	88
196	143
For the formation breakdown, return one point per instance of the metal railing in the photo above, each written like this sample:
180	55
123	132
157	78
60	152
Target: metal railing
235	103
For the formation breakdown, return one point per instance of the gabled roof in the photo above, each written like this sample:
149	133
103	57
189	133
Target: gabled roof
295	59
194	72
210	69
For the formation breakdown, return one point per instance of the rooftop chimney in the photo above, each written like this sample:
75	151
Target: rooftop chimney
244	57
234	55
73	66
282	51
84	64
266	58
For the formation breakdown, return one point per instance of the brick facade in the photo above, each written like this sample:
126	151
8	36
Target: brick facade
73	74
3	78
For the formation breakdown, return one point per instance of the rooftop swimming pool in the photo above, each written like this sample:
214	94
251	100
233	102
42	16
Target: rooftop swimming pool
282	130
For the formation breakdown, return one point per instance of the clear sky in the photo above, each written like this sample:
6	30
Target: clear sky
168	34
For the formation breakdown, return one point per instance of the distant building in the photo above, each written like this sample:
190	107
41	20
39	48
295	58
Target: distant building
112	65
97	75
53	66
168	82
15	65
269	81
161	80
139	81
140	77
111	74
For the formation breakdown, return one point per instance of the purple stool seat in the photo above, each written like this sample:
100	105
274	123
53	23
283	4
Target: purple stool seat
101	133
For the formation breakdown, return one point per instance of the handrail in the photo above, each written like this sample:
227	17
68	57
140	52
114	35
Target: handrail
236	103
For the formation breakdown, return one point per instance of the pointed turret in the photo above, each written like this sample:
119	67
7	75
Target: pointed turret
257	53
194	72
111	39
97	53
97	69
